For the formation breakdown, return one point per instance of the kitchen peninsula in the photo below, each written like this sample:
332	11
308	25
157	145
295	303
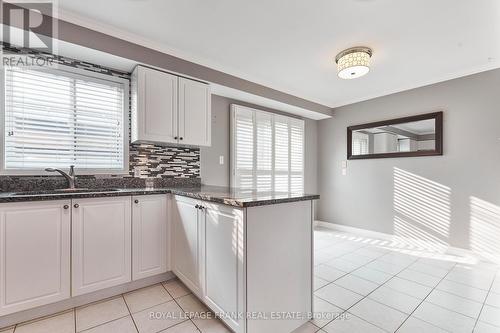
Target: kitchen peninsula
247	255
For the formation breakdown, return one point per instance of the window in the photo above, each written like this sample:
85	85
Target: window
360	143
267	151
62	117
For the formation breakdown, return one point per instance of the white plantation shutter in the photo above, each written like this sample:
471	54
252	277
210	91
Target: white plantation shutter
264	153
267	151
57	118
244	146
281	153
359	143
296	155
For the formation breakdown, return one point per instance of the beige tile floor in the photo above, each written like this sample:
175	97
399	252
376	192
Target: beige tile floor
399	286
361	285
131	312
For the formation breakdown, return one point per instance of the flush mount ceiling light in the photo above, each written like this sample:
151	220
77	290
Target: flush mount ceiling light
354	62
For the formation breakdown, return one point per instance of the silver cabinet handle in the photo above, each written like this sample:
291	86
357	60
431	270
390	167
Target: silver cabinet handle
66	206
197	206
136	201
76	205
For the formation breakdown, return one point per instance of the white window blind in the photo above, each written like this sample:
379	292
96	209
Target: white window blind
359	143
267	151
57	118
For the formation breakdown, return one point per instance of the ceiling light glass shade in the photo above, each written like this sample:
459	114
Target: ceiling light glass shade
353	63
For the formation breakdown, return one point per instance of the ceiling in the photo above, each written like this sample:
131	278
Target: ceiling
420	127
291	45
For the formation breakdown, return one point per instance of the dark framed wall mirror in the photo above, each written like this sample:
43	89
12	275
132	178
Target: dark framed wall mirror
420	135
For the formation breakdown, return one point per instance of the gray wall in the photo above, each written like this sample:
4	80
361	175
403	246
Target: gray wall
449	200
212	173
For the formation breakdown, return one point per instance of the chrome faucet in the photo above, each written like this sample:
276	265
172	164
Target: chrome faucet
70	177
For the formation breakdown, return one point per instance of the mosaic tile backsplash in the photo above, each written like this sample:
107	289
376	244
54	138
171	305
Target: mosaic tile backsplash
168	166
164	162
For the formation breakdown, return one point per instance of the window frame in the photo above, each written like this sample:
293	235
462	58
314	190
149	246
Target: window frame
255	172
71	72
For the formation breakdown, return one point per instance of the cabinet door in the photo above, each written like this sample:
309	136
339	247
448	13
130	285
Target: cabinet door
154	106
194	113
34	254
187	243
101	243
224	255
149	235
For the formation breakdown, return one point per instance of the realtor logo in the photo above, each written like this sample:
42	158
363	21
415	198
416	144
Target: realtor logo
29	26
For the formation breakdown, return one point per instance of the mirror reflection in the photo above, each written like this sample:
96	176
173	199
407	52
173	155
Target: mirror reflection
406	137
419	135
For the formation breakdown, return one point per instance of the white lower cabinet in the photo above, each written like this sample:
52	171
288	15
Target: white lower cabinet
208	256
34	254
187	243
149	235
234	259
101	243
224	263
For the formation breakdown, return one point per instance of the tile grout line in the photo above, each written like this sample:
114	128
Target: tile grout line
424	301
485	299
34	320
102	301
182	322
130	313
467	285
106	322
173	298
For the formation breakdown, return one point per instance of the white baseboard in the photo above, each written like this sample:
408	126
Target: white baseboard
355	231
466	254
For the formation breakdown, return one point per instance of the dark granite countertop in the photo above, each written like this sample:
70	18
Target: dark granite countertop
224	195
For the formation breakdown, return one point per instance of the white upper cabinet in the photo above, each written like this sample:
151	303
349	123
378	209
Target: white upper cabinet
149	235
169	109
101	243
154	106
34	254
194	113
